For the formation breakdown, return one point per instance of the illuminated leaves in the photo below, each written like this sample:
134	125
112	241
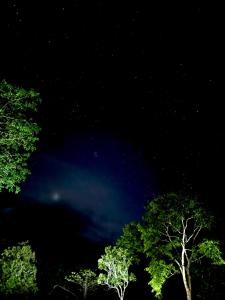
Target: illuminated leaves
18	134
165	219
131	241
85	279
18	270
160	272
170	232
115	263
211	250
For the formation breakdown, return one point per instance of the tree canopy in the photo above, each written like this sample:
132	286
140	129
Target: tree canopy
18	270
18	133
115	263
174	234
131	241
85	280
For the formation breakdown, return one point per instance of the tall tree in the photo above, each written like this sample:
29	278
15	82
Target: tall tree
85	280
115	262
18	270
18	133
131	241
173	233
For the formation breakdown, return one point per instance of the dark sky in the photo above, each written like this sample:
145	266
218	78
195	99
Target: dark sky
132	105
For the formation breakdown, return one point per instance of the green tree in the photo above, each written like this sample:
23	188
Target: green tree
131	241
85	279
173	231
115	262
18	134
18	270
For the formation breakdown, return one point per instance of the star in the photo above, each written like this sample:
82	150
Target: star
95	153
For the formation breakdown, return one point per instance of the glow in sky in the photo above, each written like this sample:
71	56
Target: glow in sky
97	175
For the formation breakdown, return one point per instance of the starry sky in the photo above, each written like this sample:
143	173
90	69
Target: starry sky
132	106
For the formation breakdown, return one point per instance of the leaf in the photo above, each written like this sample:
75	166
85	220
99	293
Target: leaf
18	134
159	271
211	250
18	270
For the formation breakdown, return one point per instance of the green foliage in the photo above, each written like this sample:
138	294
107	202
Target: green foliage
18	133
211	250
18	270
163	223
85	279
115	262
170	234
131	241
160	272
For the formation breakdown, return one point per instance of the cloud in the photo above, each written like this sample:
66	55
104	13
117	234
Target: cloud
108	190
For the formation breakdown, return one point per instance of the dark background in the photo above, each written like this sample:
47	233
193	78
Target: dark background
137	86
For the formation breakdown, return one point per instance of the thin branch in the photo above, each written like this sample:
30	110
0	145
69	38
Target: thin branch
200	228
171	241
63	288
174	228
194	234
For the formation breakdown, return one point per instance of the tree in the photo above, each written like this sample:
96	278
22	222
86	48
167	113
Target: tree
18	270
115	262
173	231
131	241
85	279
18	134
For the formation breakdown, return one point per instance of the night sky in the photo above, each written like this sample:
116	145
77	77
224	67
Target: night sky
131	107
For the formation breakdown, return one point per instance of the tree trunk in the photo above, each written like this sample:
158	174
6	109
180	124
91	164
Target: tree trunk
85	293
185	271
187	285
188	293
121	296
